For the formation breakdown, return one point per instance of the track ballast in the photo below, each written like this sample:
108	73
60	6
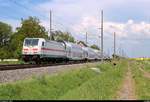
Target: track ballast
27	66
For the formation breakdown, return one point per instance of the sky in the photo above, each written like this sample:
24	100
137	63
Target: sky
130	19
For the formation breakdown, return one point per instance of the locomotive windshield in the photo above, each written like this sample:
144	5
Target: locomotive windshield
31	42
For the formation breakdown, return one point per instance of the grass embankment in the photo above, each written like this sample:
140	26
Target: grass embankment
46	87
103	86
12	62
146	65
75	84
142	83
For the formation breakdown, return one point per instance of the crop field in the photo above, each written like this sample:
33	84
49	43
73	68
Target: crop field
102	81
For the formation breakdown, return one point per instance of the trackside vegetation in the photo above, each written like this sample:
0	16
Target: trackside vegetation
146	65
12	62
142	83
100	87
46	87
83	83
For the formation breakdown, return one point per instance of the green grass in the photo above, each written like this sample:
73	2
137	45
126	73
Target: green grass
12	62
142	83
73	84
46	87
101	87
146	65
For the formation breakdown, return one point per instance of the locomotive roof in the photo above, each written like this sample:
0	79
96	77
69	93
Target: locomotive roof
34	38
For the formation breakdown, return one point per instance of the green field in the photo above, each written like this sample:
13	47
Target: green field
78	84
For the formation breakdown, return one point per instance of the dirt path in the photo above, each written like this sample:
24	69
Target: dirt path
145	74
127	91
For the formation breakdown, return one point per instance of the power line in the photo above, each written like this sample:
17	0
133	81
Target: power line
28	9
63	20
66	23
66	28
19	4
135	38
4	16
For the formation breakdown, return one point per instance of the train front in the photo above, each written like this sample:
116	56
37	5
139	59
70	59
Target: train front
31	50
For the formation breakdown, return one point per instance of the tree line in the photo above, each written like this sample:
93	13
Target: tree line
11	43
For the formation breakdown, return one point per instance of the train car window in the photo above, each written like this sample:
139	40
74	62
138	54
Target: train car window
42	43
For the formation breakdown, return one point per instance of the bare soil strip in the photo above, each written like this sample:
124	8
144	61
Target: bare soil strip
127	91
145	74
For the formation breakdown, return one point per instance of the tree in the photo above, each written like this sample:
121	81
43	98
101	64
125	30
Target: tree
66	36
5	53
30	28
95	47
5	33
16	44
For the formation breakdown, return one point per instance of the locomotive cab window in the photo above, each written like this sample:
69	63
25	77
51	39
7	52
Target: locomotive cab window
31	42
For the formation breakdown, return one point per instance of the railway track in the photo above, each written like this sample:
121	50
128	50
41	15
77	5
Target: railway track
27	66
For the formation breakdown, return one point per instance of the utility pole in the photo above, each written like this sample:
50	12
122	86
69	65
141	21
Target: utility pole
50	31
99	41
114	43
102	34
86	38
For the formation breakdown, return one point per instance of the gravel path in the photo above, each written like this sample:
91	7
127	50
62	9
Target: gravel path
127	92
14	75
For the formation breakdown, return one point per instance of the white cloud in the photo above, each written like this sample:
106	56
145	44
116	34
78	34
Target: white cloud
87	23
76	8
85	16
130	29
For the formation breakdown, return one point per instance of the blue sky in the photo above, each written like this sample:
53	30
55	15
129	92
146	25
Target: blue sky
130	19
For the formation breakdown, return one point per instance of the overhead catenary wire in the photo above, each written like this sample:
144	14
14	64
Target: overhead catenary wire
55	17
31	11
27	8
